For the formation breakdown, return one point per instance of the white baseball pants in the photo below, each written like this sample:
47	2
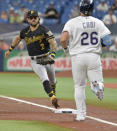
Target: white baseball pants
45	72
83	65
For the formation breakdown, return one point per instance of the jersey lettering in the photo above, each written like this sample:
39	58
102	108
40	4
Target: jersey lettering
42	46
93	38
88	25
85	37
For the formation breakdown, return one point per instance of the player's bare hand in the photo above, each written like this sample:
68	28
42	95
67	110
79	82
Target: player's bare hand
51	57
7	54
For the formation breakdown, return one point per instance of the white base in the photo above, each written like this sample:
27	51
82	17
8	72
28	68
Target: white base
65	110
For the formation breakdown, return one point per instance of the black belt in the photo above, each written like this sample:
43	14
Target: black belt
35	58
32	58
38	57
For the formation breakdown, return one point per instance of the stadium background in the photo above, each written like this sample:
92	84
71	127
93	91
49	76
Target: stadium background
9	29
15	84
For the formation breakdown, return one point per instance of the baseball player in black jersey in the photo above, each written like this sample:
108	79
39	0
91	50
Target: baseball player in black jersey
41	47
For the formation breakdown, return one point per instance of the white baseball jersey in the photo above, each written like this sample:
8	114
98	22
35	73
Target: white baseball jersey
85	34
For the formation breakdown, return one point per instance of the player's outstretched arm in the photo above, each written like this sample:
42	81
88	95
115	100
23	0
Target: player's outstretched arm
53	44
53	47
16	41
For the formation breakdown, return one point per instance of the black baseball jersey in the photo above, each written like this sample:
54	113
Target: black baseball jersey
37	40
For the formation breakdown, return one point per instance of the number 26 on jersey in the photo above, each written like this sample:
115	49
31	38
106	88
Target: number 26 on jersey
93	36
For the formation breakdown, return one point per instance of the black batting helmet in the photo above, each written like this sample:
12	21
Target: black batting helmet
86	6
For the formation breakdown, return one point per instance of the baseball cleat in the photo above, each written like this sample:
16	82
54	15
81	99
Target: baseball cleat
100	94
84	114
98	89
54	101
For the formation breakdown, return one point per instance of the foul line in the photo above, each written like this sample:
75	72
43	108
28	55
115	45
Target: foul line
53	109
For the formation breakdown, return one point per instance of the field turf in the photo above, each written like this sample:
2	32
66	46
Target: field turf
7	125
29	85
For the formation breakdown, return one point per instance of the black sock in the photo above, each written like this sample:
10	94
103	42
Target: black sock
47	88
54	88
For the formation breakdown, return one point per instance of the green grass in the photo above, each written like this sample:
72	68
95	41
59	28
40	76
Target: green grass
29	85
109	101
21	85
7	125
110	95
110	80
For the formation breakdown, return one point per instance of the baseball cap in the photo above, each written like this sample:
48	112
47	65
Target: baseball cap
32	13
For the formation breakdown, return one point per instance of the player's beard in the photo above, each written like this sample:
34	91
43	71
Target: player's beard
34	25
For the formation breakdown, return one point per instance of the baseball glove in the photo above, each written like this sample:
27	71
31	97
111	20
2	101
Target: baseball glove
45	60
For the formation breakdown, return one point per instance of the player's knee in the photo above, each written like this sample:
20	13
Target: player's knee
81	84
47	83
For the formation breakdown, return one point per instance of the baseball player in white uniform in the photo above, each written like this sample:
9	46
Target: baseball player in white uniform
85	36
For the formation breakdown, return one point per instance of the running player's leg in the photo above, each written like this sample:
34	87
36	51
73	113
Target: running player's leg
95	75
79	77
84	105
51	75
40	70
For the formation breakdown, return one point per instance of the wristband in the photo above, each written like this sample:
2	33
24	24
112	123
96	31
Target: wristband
11	48
53	54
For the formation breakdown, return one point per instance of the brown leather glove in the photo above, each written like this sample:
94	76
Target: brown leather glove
45	60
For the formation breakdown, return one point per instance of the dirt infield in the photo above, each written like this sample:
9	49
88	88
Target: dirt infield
11	110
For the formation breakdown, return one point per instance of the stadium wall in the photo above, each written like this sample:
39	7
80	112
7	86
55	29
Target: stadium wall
1	60
20	61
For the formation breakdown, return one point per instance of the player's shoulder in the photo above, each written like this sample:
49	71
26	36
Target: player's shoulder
96	19
73	20
26	29
43	28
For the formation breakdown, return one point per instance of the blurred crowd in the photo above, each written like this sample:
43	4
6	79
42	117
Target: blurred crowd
104	11
55	12
18	16
13	16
